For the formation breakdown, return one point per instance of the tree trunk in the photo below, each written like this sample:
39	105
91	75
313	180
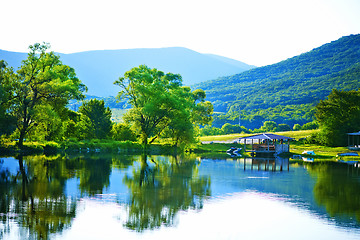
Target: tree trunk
21	139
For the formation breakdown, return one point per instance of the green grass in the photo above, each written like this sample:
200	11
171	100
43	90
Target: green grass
294	134
228	137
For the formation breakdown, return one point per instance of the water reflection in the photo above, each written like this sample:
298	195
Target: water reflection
337	189
42	196
33	196
160	187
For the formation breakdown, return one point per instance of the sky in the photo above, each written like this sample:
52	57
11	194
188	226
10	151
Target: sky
257	32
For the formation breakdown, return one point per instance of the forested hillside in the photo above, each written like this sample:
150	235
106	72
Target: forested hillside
296	84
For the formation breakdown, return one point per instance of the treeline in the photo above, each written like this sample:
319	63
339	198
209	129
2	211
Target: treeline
268	126
253	119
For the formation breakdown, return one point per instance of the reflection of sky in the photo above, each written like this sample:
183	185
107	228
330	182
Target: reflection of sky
117	190
246	215
11	164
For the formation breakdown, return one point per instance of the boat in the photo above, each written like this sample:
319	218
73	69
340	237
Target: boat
309	152
353	154
234	152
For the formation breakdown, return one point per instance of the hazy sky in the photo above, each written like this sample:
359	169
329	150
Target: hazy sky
258	32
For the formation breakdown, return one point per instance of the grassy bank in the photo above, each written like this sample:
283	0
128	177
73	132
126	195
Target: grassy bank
215	150
86	146
298	146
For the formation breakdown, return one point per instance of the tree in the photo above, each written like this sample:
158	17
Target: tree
338	115
122	132
7	122
42	80
159	102
192	111
310	125
269	126
97	117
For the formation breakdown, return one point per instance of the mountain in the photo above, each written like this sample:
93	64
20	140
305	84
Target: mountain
99	69
295	83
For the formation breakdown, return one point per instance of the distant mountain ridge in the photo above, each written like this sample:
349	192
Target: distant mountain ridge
304	79
99	69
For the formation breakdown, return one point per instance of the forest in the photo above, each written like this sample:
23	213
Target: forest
286	92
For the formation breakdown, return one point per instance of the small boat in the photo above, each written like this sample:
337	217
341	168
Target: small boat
234	152
308	159
231	150
310	152
354	154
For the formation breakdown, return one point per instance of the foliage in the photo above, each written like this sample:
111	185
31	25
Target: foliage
161	105
310	125
297	127
252	119
269	126
41	82
96	119
338	115
7	122
122	132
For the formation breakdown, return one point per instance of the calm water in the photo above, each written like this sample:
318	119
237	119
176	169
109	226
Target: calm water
163	197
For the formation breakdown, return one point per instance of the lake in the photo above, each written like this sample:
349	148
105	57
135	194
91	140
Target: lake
186	197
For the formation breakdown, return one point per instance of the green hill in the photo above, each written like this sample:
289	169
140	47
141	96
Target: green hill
287	91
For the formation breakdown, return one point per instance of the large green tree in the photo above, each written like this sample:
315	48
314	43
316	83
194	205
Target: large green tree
338	115
42	80
160	103
97	118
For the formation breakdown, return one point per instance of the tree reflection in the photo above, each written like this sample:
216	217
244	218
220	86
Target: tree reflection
337	188
34	197
160	187
94	174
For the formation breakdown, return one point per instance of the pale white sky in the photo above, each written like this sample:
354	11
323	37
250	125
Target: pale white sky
257	32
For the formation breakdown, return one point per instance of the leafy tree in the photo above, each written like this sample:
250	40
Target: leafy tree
269	126
338	115
310	125
208	130
49	125
42	80
160	104
96	118
122	132
193	111
228	128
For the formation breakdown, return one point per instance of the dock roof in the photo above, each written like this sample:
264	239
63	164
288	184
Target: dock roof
270	136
